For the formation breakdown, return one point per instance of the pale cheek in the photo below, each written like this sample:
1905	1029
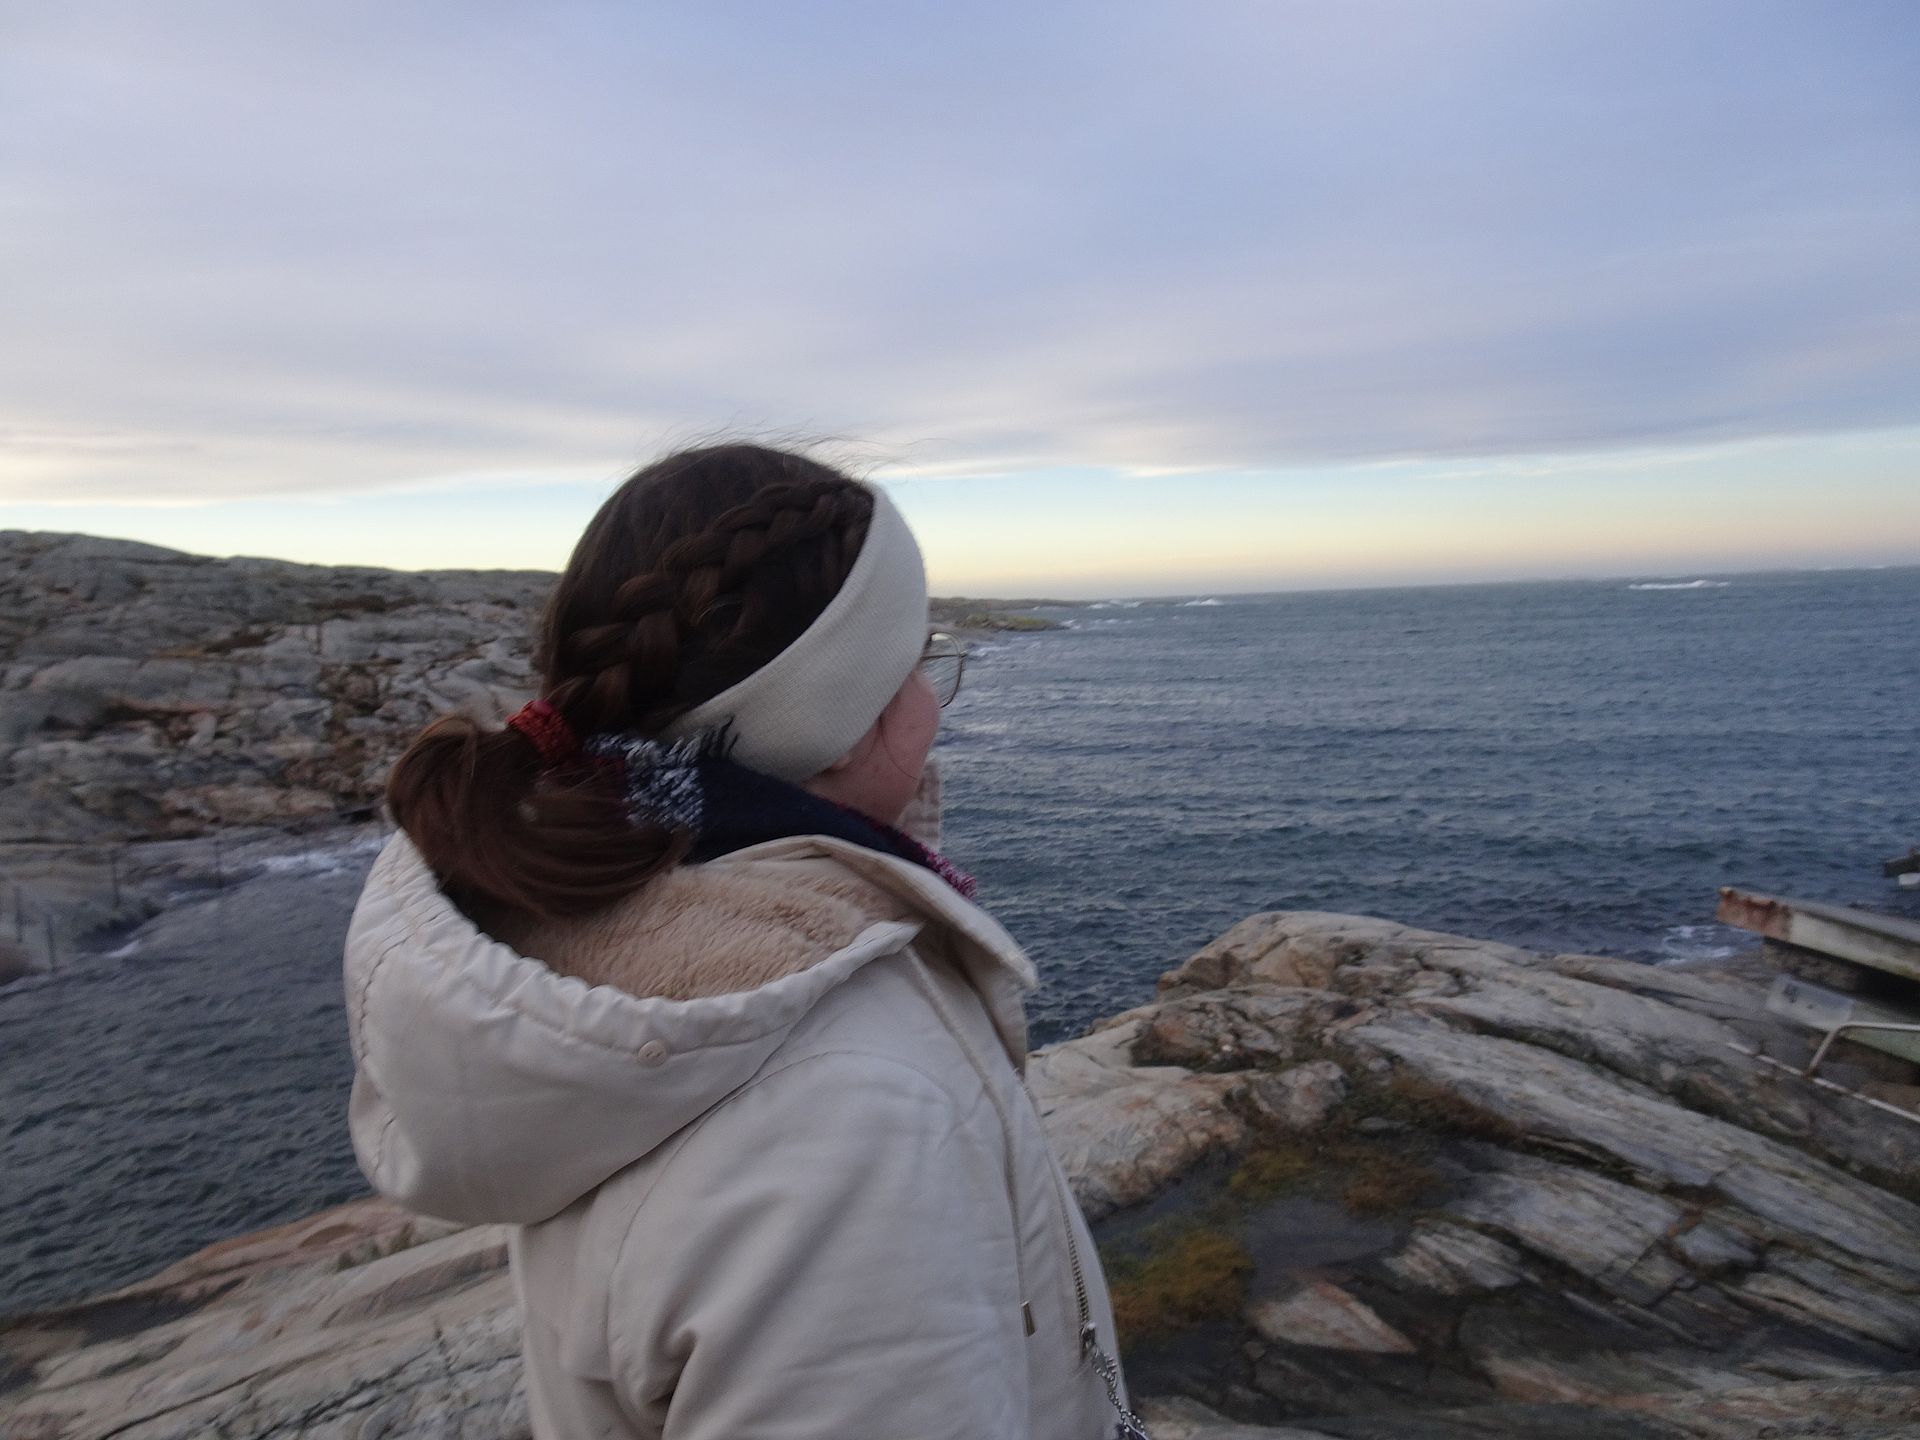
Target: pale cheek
908	739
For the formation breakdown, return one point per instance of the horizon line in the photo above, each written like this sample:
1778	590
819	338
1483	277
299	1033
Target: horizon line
1042	601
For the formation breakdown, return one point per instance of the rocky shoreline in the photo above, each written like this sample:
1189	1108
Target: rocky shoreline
168	718
976	619
1352	1180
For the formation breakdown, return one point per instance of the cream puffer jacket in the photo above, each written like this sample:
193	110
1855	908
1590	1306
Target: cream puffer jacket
762	1135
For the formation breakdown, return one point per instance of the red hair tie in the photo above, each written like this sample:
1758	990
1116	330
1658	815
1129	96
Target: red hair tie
549	731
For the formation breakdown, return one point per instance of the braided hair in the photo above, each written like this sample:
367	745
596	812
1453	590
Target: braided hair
695	573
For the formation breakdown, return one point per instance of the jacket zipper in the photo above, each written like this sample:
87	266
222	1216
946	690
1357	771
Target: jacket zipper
1089	1337
1104	1365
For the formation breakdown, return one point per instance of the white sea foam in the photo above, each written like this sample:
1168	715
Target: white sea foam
238	870
1681	585
326	860
1691	944
1190	603
1116	605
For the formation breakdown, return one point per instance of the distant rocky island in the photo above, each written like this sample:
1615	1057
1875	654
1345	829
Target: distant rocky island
147	695
1350	1179
966	616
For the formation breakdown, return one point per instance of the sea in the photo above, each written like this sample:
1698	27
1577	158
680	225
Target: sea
1568	765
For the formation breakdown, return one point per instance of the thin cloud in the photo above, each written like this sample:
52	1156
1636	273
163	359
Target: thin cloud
254	250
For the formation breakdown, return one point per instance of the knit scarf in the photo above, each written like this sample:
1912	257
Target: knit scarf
691	786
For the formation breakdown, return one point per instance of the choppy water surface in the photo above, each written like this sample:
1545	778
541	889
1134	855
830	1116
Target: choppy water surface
1569	765
1565	765
155	1101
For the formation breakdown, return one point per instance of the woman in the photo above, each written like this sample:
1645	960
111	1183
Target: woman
651	975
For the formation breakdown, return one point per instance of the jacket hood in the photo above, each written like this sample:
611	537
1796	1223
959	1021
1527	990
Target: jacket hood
493	1086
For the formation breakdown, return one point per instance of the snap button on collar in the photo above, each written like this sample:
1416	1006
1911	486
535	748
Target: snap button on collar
653	1053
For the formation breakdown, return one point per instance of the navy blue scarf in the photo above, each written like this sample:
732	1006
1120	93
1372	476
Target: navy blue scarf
692	786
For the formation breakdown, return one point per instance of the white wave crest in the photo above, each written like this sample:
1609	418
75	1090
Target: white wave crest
326	860
1188	604
1681	585
1692	944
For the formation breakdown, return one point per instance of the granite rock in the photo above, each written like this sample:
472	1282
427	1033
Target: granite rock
1123	1131
1300	1097
1322	1316
146	693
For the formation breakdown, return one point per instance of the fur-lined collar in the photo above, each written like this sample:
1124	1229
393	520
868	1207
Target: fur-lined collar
713	929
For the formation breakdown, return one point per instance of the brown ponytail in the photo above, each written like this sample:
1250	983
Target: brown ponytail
695	572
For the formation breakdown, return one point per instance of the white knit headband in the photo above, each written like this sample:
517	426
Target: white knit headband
806	707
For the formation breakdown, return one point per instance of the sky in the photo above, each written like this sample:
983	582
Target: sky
1115	298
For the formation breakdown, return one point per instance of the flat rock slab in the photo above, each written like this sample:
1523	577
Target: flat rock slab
1322	1316
1123	1131
399	1344
1881	1409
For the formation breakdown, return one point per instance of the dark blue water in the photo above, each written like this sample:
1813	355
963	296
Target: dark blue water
196	1088
1572	766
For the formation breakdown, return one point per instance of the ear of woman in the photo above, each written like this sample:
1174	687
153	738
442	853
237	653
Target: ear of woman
879	774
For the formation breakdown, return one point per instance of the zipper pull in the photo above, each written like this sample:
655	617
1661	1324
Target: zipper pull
1089	1340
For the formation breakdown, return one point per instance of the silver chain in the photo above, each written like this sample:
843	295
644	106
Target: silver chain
1131	1427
